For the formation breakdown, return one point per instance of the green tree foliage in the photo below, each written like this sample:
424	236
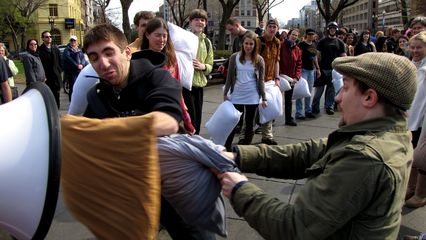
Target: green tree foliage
15	16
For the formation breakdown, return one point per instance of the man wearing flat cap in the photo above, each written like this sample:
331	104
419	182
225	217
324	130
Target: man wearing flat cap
356	178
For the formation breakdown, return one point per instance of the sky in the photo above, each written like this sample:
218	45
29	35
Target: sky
289	7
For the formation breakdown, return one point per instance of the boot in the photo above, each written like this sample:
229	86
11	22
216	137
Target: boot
411	184
419	198
246	140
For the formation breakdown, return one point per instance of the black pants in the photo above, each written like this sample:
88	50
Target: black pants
288	104
194	102
177	228
71	77
247	117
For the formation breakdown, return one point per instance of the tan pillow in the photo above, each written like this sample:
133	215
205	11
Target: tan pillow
110	175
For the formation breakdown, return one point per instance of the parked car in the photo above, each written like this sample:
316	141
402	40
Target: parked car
214	73
62	48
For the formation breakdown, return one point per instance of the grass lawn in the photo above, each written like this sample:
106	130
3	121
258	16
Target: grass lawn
20	77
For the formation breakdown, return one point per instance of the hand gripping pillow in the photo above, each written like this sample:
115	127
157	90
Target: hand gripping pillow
221	123
188	183
275	103
110	175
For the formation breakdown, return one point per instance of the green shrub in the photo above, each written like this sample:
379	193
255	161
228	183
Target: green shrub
222	54
20	77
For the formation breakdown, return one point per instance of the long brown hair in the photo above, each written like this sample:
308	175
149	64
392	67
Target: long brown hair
169	49
254	56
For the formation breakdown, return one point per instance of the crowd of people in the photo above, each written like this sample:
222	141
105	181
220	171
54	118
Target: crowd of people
356	178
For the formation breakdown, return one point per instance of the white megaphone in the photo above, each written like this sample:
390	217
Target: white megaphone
29	163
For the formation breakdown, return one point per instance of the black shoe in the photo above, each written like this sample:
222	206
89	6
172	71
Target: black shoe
315	112
269	141
310	115
258	130
291	123
301	118
329	111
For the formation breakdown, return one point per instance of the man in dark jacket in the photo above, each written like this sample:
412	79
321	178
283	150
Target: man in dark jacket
356	179
74	62
136	84
52	63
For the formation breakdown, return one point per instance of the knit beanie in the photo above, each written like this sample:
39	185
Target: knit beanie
392	76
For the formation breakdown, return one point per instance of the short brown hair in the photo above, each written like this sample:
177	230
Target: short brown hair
147	15
105	32
233	21
198	13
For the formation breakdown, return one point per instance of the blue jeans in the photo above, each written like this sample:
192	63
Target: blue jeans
309	75
329	94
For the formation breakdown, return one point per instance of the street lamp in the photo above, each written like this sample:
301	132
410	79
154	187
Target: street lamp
51	22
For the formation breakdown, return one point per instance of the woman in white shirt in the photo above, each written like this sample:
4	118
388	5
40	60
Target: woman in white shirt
245	83
416	191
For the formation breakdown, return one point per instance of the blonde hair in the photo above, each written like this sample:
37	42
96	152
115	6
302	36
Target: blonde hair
421	36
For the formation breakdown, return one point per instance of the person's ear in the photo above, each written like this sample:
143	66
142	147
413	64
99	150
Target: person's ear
128	52
371	98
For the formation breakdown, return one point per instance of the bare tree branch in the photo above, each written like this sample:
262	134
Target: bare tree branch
330	12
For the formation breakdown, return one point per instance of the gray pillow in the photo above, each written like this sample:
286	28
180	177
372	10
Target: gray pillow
187	182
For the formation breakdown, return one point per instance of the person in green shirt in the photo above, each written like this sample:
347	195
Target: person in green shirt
203	65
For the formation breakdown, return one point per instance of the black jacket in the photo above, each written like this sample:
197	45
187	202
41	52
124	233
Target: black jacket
150	88
52	64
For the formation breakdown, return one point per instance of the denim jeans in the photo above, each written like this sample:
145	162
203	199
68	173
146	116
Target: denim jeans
309	75
329	94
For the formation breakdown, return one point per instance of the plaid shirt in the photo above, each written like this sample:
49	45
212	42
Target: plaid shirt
270	51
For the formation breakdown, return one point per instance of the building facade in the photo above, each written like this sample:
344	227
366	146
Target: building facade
62	18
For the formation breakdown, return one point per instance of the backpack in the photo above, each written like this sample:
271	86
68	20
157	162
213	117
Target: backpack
208	44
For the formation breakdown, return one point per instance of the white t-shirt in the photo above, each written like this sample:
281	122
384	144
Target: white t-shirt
245	88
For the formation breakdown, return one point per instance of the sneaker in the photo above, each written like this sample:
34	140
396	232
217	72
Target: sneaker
269	141
329	111
310	115
300	117
291	123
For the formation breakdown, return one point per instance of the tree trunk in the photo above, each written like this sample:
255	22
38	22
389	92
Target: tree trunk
228	8
125	5
404	14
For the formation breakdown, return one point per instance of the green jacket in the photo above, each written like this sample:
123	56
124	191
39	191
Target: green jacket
259	71
206	57
355	187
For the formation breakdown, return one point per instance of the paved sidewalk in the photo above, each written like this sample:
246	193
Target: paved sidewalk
65	227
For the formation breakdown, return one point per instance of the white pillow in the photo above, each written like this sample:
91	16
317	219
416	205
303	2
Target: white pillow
275	103
301	89
221	123
186	47
284	82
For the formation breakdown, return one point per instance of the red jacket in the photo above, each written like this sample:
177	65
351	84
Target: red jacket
290	60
